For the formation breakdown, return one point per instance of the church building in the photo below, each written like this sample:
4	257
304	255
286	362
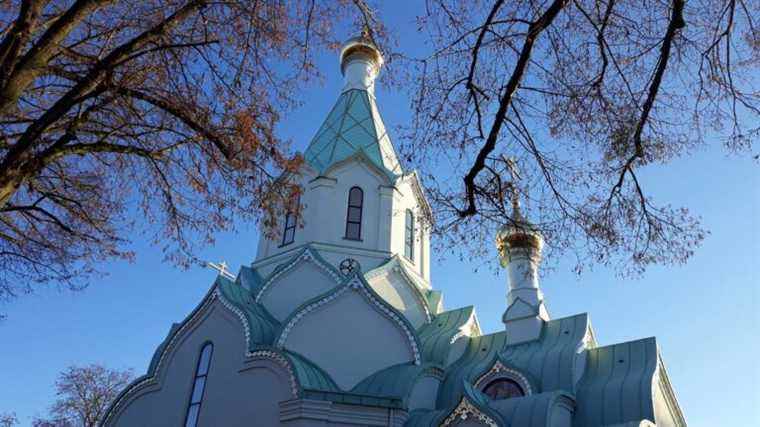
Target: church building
336	323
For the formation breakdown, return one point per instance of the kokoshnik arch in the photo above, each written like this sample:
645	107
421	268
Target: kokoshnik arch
336	324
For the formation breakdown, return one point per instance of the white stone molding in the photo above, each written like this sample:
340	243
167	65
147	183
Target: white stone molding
499	370
400	269
466	410
358	286
280	360
306	256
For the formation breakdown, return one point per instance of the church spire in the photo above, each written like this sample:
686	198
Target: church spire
354	126
519	244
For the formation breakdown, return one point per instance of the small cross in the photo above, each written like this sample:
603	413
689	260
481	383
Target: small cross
221	267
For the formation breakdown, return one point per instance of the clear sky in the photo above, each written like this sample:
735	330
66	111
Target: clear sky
704	314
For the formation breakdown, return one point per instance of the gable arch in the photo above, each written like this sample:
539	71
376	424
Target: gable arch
332	331
296	281
394	284
501	370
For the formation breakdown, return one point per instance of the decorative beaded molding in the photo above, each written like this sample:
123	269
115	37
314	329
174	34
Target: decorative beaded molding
470	328
356	285
306	256
498	370
410	284
280	360
466	410
231	307
152	379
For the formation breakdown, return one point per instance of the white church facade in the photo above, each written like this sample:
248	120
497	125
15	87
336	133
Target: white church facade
335	323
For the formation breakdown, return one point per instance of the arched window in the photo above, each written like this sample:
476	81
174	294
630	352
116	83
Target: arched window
409	237
354	215
199	385
289	232
503	388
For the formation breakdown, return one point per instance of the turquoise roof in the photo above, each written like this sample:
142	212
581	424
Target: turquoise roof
310	376
396	381
548	360
353	127
262	326
617	386
529	411
436	336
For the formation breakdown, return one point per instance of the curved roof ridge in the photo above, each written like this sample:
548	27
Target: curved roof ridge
310	376
307	253
618	383
437	335
354	281
261	325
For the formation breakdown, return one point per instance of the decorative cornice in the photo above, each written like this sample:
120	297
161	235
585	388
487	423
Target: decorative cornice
308	254
396	266
499	370
281	360
466	410
358	285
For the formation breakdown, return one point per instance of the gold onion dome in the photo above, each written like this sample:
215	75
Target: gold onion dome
360	47
518	234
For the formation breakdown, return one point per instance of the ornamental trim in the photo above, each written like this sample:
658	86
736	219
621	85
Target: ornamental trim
400	269
280	360
355	285
152	379
499	370
307	255
466	410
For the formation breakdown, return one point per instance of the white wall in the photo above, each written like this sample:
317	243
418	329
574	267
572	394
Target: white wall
325	202
349	339
228	395
294	287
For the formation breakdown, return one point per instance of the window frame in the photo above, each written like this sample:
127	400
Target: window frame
409	235
504	379
360	206
196	377
291	215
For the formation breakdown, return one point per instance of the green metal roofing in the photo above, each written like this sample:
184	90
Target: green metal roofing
436	336
249	278
434	299
529	411
310	376
479	356
352	127
548	360
394	382
617	386
262	326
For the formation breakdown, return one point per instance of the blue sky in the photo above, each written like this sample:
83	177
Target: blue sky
704	314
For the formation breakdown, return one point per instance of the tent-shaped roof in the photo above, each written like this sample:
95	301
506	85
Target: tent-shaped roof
353	126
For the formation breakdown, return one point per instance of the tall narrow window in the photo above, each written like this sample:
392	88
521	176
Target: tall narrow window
409	238
199	385
289	232
354	215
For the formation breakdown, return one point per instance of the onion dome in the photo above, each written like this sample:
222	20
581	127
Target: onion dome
518	234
